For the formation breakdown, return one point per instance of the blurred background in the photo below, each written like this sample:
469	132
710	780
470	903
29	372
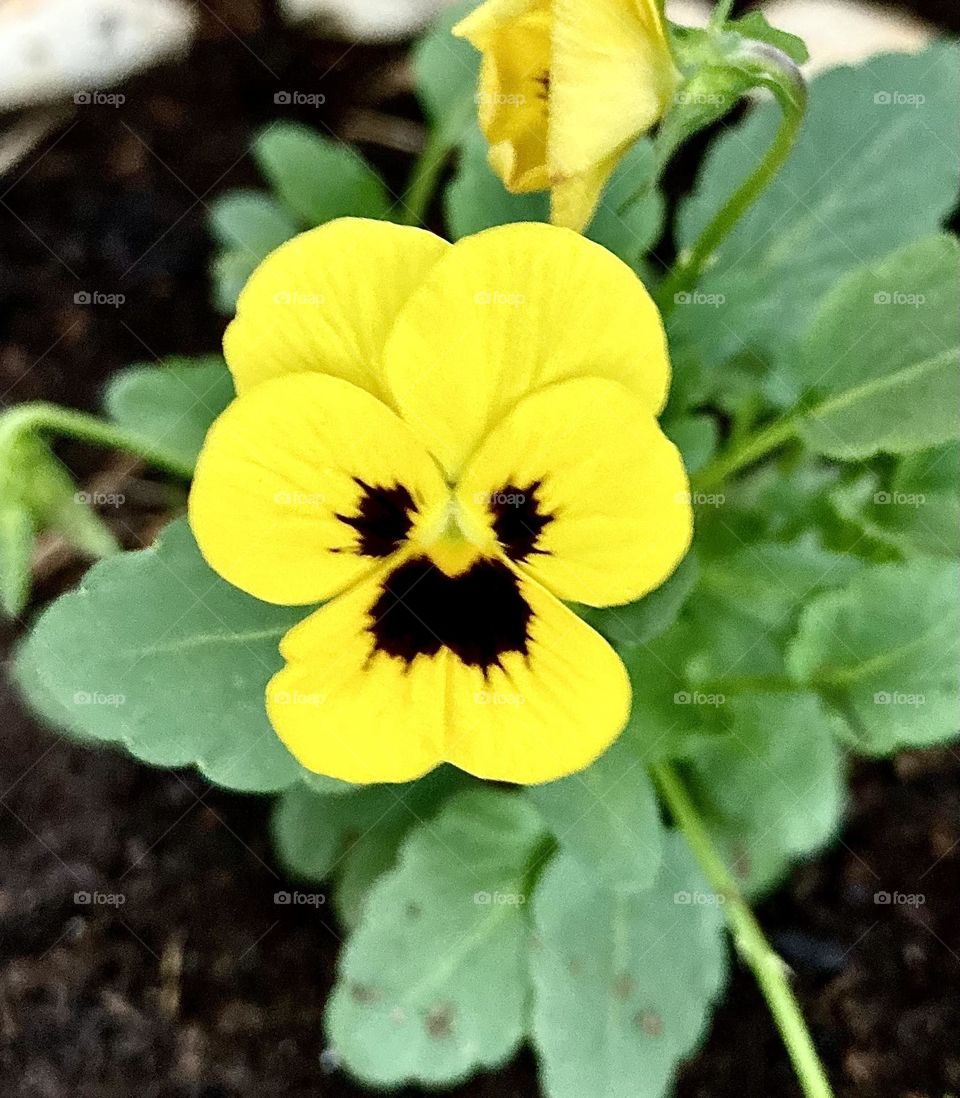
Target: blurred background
120	122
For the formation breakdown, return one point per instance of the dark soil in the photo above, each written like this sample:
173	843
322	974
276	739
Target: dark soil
193	987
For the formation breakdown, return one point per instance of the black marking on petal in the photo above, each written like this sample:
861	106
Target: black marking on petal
479	615
383	520
543	80
518	520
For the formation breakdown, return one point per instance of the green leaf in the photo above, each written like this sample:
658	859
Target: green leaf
316	178
173	403
884	650
773	791
910	522
881	356
623	982
696	437
607	817
432	983
251	222
446	72
637	623
248	225
754	25
355	838
16	552
874	169
155	652
627	222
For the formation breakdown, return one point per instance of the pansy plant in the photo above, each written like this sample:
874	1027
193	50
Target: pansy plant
438	514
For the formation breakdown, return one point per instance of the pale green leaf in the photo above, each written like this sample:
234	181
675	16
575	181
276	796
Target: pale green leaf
881	357
624	983
607	817
886	651
153	651
432	984
173	403
874	168
772	790
317	178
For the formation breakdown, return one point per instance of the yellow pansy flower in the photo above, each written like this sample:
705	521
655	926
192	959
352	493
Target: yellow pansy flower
444	441
566	86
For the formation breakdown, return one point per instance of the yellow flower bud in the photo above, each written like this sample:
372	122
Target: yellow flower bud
565	88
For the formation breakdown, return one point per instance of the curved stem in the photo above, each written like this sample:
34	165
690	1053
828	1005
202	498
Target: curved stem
767	967
790	93
750	450
41	416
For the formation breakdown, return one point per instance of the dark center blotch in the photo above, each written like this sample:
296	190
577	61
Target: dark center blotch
383	518
479	615
518	520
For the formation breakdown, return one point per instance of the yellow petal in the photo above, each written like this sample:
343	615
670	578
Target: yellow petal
585	492
574	200
494	15
509	311
349	705
512	95
348	713
325	301
612	77
299	489
543	714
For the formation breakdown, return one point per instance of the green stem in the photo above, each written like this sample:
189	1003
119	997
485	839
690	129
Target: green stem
430	164
790	93
721	13
43	417
750	450
767	967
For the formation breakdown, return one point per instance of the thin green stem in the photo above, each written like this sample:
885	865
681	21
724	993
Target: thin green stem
44	417
750	450
430	164
767	967
790	93
721	13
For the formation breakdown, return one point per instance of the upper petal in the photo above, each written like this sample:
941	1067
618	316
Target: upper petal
303	485
509	311
325	301
585	492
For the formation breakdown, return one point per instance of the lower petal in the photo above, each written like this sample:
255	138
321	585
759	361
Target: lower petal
350	713
542	714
